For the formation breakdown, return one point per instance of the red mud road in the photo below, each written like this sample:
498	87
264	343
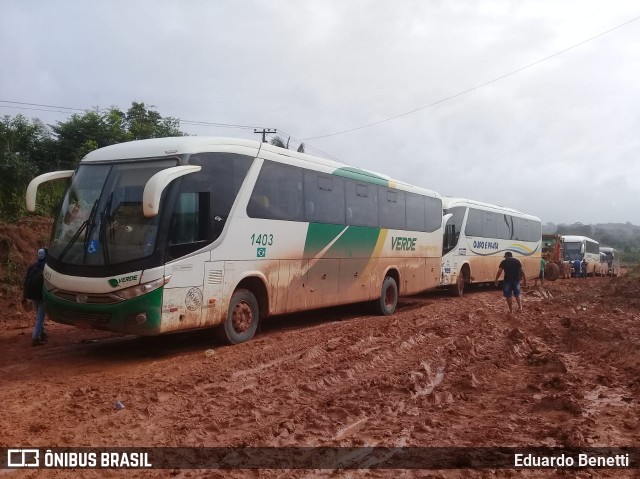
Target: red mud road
442	371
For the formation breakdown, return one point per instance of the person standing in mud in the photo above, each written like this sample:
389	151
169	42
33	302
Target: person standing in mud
576	268
583	268
32	290
512	274
541	274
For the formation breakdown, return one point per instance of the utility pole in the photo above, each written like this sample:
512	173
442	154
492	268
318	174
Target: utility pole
264	133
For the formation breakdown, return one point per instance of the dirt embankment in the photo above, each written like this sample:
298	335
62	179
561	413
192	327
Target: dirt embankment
442	371
19	243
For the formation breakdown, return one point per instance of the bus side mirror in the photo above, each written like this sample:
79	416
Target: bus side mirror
446	218
449	236
450	230
156	185
32	189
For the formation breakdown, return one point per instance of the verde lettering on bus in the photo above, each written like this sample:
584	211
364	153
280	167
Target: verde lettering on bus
115	282
401	243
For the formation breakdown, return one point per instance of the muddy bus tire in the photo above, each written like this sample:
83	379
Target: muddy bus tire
386	304
457	289
242	320
551	271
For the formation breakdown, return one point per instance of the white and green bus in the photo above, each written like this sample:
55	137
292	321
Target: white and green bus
172	234
477	235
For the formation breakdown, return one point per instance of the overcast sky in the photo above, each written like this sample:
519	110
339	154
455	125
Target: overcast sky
559	140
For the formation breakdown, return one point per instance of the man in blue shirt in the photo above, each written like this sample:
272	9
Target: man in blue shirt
576	268
511	285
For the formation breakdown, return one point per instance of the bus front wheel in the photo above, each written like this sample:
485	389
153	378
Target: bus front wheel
388	297
242	318
457	289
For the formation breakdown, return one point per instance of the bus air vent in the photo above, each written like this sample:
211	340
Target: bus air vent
87	298
215	276
72	315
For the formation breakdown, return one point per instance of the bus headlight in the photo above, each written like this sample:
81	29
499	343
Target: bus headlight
141	289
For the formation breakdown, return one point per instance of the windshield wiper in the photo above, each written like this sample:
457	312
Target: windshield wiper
105	221
85	225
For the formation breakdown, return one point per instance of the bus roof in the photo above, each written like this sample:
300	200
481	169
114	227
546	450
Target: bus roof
180	145
450	202
576	239
158	147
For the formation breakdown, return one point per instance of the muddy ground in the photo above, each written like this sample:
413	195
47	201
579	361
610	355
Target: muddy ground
442	371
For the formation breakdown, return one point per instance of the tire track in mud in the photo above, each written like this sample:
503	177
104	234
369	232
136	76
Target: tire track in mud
356	363
344	366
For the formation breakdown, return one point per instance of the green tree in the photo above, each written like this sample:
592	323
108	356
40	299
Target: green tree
95	129
81	134
26	148
29	148
143	123
277	141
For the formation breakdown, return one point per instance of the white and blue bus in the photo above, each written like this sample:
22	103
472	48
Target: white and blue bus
172	234
582	247
477	235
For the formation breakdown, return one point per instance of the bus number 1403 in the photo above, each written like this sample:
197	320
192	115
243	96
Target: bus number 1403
262	239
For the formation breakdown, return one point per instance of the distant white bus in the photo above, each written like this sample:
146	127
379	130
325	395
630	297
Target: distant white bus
609	261
582	247
476	237
171	234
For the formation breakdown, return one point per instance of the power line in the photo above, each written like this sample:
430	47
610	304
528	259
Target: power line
475	87
27	106
67	110
310	147
33	109
39	104
189	122
219	125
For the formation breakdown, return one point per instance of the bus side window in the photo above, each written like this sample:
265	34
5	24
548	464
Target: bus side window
433	214
281	185
473	227
189	225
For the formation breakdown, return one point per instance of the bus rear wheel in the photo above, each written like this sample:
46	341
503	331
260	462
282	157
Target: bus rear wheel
386	304
242	318
551	271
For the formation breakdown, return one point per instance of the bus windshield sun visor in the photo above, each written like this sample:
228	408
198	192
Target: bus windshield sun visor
32	189
156	185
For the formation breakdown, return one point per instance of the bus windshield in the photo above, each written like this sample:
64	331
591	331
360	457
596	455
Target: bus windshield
572	251
101	220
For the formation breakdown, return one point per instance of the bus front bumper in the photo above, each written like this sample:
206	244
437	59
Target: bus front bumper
140	315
